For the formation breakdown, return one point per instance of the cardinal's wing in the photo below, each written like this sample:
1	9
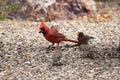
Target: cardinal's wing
57	35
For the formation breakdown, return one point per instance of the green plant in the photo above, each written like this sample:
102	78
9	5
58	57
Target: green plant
4	10
2	17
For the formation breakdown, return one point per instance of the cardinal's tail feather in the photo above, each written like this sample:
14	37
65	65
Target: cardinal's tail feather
70	40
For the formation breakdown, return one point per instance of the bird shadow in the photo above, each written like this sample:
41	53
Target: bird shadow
93	52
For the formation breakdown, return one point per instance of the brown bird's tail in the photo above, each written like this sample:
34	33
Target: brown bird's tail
71	40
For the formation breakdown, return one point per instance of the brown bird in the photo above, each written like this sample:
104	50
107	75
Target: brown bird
83	39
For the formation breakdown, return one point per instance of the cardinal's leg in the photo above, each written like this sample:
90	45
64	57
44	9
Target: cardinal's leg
57	46
52	44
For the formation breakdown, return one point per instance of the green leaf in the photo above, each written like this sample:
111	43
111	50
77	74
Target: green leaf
2	17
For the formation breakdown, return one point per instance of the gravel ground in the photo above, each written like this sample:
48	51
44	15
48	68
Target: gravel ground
26	55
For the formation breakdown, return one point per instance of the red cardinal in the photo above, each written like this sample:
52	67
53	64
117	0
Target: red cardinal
52	35
83	39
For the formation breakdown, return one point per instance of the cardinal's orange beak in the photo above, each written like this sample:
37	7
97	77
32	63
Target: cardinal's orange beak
40	31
